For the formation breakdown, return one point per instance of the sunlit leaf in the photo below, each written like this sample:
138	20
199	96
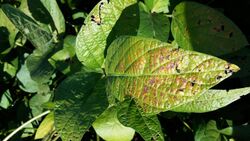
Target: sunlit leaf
158	6
109	128
201	28
92	38
79	99
157	75
212	100
6	100
153	25
45	127
147	126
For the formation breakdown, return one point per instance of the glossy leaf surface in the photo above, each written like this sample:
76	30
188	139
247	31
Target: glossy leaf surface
158	76
201	28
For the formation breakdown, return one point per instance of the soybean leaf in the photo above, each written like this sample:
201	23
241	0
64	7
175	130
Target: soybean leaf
158	76
27	84
91	40
6	100
207	132
147	126
46	126
56	15
40	38
78	103
153	25
200	28
212	100
109	128
158	6
7	34
240	132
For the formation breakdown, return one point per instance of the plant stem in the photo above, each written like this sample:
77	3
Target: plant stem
25	124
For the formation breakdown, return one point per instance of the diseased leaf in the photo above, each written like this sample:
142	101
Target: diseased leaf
153	25
212	100
78	103
92	38
201	28
109	128
158	6
147	126
158	76
46	126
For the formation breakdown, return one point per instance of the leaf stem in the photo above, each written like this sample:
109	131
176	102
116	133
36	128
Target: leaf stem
25	124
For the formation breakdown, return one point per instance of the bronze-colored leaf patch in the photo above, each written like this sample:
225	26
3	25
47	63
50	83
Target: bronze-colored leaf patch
159	76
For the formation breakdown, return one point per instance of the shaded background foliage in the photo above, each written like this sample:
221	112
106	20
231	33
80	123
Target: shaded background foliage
174	125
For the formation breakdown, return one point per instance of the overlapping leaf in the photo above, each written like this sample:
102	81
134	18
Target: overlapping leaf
147	126
78	103
153	25
201	28
91	40
109	128
158	6
212	100
158	76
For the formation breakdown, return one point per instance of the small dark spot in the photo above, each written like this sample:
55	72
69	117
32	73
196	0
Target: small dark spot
199	22
181	90
92	16
199	70
227	71
218	77
193	83
230	34
93	20
101	3
222	27
98	23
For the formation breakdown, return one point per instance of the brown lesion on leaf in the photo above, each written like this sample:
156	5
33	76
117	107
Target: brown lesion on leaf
219	28
98	19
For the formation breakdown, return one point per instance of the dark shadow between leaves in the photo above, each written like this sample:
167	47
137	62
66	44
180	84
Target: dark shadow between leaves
127	24
4	39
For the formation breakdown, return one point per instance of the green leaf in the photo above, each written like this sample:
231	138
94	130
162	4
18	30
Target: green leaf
147	126
91	40
27	84
6	100
109	128
201	28
56	15
153	25
10	69
208	132
78	103
240	132
158	6
212	100
157	75
40	38
45	127
7	34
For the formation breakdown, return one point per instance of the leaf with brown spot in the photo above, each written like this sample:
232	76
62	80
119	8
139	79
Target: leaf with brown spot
204	29
135	68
